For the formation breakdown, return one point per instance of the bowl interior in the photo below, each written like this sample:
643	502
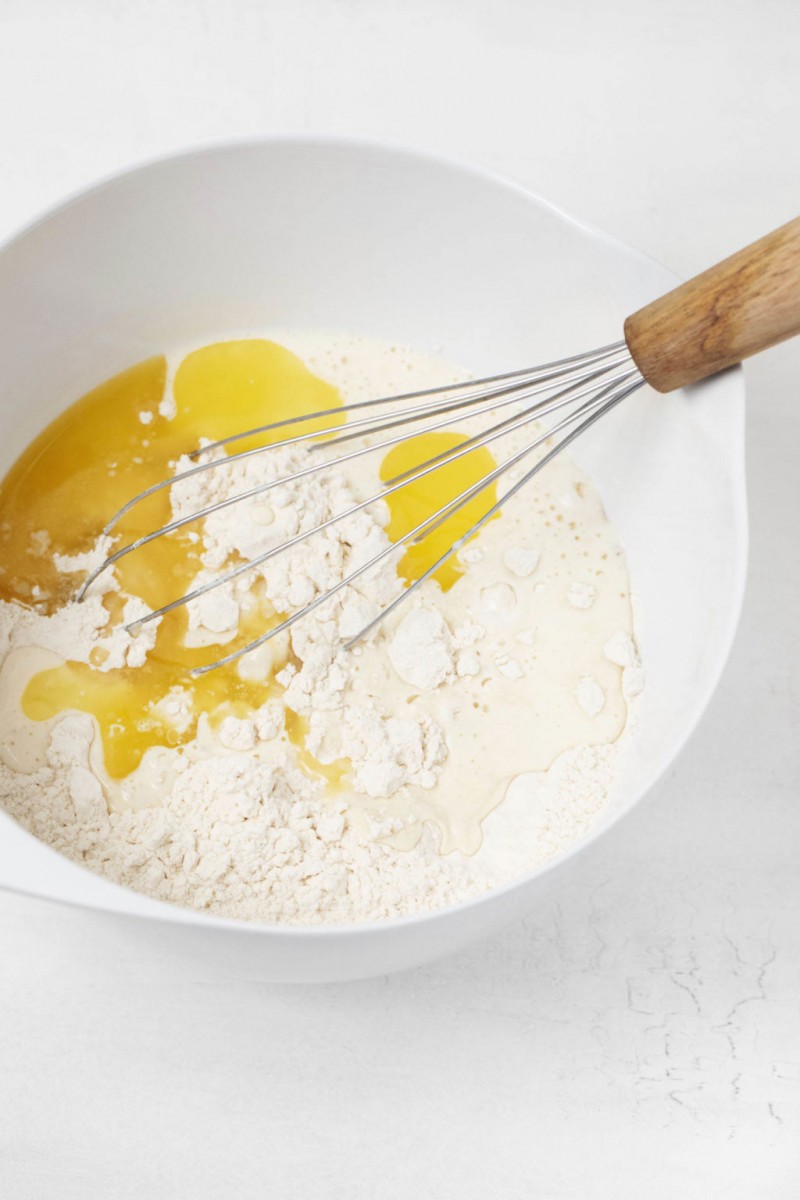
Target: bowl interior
394	245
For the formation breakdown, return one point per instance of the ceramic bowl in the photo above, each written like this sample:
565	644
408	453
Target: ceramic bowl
389	243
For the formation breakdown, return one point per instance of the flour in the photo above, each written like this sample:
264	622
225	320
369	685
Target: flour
245	837
385	753
521	561
431	716
258	841
590	696
581	595
620	649
78	631
420	650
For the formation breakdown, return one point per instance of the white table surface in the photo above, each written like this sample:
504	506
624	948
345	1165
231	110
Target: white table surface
641	1036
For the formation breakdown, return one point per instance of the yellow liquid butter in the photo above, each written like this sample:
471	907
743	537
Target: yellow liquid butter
112	444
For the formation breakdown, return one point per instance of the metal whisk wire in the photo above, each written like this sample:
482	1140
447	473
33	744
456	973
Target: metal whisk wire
512	394
587	385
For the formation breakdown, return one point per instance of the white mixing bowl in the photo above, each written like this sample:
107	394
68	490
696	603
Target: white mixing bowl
363	238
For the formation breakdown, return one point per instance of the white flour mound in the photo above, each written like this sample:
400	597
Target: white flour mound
258	841
232	823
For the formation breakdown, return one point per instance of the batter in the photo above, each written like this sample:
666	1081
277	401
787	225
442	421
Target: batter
516	662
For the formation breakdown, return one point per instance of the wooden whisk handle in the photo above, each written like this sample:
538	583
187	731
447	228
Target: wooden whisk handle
742	305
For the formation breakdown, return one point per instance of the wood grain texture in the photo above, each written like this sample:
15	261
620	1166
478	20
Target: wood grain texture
742	305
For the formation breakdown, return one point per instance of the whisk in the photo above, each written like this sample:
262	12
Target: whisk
737	308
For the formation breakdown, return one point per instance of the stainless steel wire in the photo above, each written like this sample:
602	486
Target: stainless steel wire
587	386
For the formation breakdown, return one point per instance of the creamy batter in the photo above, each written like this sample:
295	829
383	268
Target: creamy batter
362	781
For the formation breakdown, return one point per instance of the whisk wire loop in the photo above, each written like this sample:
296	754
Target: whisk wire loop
419	472
543	409
596	414
595	409
561	366
580	389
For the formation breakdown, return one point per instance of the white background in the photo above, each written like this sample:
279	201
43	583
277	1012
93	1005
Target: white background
640	1037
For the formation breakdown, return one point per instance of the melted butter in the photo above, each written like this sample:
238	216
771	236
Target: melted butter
332	772
87	464
422	497
126	701
114	443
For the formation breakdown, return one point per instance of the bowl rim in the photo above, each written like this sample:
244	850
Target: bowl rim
346	143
